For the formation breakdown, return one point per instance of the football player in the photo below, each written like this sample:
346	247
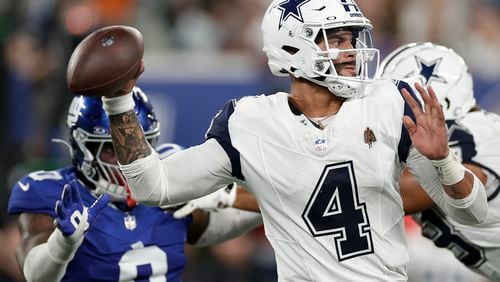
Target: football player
77	223
324	160
473	135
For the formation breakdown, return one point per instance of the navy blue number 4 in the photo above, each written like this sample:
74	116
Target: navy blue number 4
334	209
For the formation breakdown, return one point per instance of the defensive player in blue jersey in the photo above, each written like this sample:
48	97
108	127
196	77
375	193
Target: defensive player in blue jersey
101	234
473	135
324	160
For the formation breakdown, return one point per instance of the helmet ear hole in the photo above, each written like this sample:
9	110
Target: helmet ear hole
290	50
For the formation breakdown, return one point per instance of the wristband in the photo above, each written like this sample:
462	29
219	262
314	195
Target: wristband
118	105
449	169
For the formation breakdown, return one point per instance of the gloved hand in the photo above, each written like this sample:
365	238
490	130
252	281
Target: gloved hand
219	199
73	218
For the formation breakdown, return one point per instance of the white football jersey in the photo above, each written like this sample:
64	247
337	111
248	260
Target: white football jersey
329	198
475	138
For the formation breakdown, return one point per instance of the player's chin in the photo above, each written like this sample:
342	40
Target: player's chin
348	71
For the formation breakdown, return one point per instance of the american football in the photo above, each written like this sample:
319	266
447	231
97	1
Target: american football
105	61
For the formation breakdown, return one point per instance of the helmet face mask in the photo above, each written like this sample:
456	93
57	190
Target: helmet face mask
437	66
292	33
90	139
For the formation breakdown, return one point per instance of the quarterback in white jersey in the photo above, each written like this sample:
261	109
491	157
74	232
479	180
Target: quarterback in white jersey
323	161
474	136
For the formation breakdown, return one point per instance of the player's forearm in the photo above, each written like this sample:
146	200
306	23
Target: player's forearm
472	208
128	137
462	188
48	261
467	204
465	194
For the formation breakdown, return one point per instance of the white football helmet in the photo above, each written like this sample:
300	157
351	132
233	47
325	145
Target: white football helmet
437	66
291	29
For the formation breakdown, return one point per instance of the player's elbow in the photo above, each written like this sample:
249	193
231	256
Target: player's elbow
470	217
146	178
147	197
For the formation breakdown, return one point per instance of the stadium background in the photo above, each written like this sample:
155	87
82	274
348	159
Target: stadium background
199	54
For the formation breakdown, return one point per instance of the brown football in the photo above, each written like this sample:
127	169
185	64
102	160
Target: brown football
105	61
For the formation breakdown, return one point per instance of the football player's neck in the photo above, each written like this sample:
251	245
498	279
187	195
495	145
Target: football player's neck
313	100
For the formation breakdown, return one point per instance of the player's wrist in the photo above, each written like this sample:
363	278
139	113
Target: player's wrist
449	169
119	104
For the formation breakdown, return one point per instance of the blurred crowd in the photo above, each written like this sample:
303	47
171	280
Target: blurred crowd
38	36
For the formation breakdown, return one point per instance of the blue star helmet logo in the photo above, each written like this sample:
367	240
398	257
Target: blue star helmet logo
291	8
428	71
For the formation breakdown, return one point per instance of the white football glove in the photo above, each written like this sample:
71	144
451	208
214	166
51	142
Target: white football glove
219	199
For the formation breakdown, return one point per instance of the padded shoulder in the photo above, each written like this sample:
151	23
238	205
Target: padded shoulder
38	191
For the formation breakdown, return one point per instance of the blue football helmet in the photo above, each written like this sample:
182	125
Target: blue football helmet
90	139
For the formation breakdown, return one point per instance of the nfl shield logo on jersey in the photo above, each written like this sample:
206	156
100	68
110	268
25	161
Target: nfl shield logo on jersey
320	144
130	222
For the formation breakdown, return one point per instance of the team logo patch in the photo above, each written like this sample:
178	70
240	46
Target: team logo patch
369	137
429	71
291	8
130	222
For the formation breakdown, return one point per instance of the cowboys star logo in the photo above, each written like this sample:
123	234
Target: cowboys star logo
291	8
429	71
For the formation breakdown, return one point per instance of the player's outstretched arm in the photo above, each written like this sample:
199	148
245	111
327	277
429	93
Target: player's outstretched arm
44	251
465	196
162	182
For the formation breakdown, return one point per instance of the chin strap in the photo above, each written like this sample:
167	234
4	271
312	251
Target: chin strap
346	89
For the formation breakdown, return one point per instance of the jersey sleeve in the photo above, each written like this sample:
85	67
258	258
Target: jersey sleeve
36	193
405	141
219	130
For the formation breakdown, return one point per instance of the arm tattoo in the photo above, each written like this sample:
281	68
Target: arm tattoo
128	138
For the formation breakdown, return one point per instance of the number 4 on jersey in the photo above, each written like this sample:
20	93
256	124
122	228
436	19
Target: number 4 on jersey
334	209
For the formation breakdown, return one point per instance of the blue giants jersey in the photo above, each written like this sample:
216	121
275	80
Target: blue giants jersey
142	244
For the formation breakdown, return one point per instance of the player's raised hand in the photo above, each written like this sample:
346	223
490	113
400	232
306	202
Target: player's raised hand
73	218
428	133
219	199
